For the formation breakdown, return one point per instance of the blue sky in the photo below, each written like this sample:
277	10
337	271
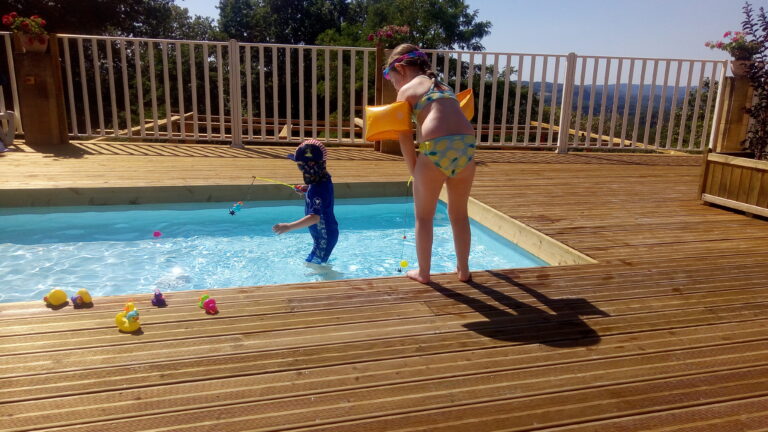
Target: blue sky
633	28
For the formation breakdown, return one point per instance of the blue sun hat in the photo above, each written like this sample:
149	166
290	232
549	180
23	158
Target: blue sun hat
310	150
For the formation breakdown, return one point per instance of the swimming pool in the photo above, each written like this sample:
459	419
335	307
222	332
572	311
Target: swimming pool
111	250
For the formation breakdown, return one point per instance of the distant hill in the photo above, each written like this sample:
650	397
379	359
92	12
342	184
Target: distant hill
622	96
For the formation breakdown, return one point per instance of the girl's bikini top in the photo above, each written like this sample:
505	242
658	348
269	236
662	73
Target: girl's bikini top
432	95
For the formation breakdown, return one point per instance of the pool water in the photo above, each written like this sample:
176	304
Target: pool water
112	250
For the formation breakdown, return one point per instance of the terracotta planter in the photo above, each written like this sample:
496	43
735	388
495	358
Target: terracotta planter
740	68
27	43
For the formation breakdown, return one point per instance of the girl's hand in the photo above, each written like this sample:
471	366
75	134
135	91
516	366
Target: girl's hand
281	228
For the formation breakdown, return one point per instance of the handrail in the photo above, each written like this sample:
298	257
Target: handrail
124	86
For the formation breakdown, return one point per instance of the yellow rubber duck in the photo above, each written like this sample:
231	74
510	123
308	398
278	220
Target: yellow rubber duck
82	297
56	297
128	320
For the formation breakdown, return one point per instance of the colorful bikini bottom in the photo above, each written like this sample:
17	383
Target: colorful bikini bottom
450	153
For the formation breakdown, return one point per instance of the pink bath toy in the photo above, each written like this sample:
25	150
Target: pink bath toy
209	304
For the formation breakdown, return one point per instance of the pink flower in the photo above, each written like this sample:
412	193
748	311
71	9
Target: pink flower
389	34
13	15
370	37
42	22
719	45
707	44
727	34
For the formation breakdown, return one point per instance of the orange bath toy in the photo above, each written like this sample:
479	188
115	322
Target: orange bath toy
128	320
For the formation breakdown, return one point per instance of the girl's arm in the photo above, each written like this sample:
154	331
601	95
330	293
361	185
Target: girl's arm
304	222
406	138
408	150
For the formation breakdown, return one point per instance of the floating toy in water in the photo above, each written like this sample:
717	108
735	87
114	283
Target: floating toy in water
157	234
128	320
403	264
209	304
56	297
158	299
236	207
81	298
386	122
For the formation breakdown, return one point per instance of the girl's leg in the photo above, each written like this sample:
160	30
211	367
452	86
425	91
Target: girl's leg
459	187
428	181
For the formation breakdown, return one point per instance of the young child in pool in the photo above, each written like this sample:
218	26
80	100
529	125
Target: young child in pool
310	156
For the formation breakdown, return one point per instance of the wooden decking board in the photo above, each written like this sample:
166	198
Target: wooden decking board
744	415
509	330
214	368
666	332
165	322
545	412
297	410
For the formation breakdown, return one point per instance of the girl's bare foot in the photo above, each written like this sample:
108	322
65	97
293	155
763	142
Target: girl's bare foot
464	276
415	275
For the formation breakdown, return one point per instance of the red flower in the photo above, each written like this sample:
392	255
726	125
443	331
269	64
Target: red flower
24	25
34	16
7	20
42	22
370	36
13	15
389	35
728	33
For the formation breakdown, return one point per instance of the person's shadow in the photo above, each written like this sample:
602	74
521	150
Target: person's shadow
525	323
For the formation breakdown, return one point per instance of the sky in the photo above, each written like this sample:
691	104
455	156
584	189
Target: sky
631	28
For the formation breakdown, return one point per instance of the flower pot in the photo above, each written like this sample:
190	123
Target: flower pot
740	68
29	43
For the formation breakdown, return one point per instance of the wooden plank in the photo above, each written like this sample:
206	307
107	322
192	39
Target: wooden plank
736	205
669	323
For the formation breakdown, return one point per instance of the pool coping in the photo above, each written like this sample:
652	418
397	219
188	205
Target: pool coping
539	244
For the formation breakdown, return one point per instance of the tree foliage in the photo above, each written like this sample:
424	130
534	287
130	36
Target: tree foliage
756	26
134	18
436	24
280	21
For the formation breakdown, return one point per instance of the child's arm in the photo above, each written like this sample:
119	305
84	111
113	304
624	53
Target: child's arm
408	150
306	221
406	138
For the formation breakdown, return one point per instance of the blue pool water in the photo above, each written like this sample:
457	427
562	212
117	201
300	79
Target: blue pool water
111	249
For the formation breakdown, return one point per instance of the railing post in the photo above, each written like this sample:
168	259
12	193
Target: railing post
235	97
566	102
719	111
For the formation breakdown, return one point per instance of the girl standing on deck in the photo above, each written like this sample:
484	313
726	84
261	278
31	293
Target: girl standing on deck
446	152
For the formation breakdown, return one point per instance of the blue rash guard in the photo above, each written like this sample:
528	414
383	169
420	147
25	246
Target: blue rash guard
325	233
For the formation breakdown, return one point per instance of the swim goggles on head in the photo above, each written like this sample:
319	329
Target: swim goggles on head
411	54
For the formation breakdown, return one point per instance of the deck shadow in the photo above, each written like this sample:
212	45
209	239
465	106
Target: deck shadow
521	322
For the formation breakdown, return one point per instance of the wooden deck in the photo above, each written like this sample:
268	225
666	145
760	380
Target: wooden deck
668	331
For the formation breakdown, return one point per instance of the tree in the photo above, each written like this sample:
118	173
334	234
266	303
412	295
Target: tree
434	24
280	21
136	18
757	29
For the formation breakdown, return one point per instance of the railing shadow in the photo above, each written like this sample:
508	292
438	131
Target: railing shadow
525	323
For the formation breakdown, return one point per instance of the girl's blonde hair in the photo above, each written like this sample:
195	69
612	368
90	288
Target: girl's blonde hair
423	64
